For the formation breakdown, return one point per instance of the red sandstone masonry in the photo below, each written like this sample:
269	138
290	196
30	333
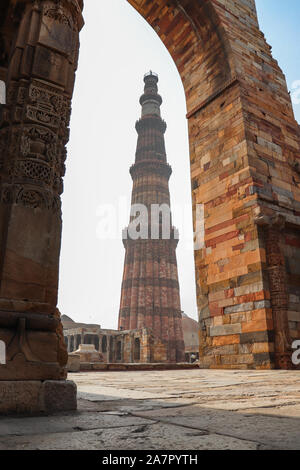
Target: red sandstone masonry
152	290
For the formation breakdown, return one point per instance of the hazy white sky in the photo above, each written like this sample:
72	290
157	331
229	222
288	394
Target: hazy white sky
117	48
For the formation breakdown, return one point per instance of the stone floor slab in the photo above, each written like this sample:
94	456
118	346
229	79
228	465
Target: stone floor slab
151	437
67	423
268	430
176	410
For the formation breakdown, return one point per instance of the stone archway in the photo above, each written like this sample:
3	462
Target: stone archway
244	152
243	138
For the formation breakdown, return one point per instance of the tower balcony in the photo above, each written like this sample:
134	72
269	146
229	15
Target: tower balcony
151	166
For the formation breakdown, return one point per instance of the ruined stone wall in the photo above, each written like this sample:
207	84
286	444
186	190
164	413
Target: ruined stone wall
158	351
133	346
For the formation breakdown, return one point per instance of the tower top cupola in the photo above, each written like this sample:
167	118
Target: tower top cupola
151	100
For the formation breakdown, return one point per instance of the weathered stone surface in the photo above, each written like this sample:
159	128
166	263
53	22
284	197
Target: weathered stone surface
149	436
59	395
268	431
20	396
73	364
67	423
169	410
31	397
224	330
88	353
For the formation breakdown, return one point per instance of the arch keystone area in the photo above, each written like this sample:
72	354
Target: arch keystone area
244	155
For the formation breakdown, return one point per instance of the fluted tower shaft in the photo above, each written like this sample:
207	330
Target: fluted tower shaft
150	289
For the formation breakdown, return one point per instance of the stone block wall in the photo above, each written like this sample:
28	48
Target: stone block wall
119	346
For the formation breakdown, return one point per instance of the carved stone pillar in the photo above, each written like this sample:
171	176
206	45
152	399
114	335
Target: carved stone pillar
273	236
33	137
274	233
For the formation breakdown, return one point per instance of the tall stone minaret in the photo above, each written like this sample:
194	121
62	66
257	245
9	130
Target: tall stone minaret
150	289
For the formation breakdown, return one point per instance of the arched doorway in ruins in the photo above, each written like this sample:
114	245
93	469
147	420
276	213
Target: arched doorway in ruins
242	132
94	295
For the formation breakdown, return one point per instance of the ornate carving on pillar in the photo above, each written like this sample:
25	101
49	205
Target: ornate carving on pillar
34	149
274	230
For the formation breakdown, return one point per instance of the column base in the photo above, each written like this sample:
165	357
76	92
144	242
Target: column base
34	397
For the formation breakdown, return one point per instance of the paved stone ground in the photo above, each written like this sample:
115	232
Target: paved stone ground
176	410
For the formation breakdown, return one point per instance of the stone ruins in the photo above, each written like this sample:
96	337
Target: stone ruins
125	346
244	153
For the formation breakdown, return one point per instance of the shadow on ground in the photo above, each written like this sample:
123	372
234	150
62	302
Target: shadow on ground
193	413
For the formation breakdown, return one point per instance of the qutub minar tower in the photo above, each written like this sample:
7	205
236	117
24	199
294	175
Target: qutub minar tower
150	289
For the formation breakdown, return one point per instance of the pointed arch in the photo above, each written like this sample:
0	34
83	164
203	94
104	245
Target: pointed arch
192	30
